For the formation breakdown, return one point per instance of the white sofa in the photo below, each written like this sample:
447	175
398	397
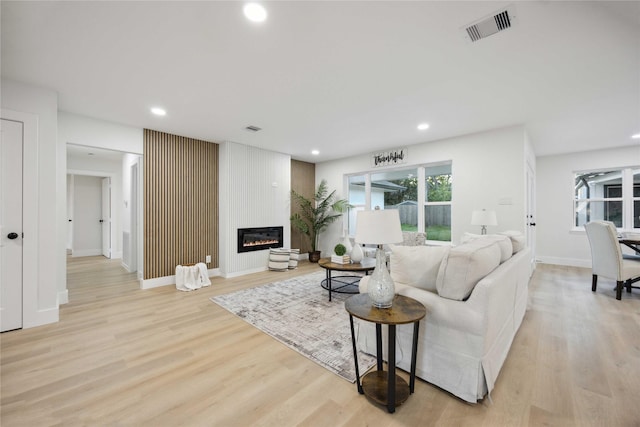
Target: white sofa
464	339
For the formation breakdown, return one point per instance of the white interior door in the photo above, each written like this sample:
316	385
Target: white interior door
106	217
133	239
11	225
87	213
530	228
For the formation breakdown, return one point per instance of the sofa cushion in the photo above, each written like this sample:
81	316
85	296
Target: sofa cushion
517	239
464	266
504	242
417	266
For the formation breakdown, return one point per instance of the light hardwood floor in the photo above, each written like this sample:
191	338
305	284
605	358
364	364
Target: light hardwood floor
121	356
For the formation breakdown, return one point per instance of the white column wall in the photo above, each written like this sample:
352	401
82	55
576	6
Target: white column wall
558	242
488	171
128	160
255	188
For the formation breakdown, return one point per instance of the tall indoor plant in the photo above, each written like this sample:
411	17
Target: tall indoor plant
314	215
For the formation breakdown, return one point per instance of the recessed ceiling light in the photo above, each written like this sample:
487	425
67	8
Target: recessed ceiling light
255	12
315	152
423	126
636	136
158	111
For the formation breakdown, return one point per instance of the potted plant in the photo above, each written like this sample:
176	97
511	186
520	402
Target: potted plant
314	215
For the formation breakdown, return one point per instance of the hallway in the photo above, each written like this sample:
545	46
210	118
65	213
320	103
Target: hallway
96	278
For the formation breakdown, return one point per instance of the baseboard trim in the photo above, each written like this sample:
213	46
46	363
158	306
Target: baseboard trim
63	297
169	280
569	262
41	317
86	252
244	272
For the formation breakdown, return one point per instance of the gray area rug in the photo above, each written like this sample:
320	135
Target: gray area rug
297	312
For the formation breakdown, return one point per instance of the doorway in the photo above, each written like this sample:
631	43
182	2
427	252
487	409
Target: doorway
114	181
530	228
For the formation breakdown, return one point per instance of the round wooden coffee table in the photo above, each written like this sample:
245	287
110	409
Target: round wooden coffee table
386	388
344	284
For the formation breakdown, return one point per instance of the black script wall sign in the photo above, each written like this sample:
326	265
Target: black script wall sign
396	156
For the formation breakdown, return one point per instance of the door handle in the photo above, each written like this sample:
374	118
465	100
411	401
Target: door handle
12	236
102	220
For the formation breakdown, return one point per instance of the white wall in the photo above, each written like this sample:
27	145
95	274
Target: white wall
82	130
45	222
254	190
488	168
128	161
558	242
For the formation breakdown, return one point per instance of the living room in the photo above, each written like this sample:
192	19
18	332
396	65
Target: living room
490	154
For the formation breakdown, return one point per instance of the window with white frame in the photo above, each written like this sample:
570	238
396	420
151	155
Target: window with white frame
437	204
407	189
611	195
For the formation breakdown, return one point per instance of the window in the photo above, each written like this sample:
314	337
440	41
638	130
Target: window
437	205
357	199
611	195
407	190
397	190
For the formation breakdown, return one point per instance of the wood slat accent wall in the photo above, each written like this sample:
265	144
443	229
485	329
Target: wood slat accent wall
180	203
303	178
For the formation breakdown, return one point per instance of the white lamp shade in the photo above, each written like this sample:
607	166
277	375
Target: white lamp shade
378	227
484	217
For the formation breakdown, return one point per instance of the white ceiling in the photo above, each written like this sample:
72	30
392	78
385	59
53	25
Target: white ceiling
342	77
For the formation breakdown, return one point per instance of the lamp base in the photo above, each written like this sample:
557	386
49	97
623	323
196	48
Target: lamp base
381	305
381	288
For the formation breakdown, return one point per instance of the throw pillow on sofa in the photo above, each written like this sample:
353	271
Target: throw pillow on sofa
504	242
517	239
464	266
417	266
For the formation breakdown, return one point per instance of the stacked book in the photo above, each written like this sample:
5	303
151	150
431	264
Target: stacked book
341	259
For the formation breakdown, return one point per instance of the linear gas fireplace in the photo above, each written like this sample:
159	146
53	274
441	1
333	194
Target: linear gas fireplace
257	239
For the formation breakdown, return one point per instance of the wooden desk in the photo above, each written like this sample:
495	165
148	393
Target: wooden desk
386	388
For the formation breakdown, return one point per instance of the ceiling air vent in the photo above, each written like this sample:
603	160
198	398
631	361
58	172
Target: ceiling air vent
499	21
252	128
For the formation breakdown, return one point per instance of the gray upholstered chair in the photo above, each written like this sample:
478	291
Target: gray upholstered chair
606	257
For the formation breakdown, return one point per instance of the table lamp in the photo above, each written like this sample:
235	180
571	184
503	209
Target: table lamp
484	218
379	227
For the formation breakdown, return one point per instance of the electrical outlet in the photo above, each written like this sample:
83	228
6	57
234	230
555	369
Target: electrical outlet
208	259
